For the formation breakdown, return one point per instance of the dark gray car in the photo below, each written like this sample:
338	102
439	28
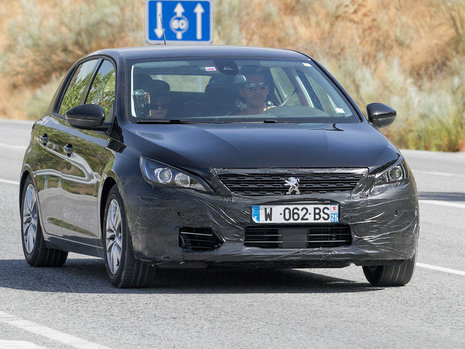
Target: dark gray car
215	156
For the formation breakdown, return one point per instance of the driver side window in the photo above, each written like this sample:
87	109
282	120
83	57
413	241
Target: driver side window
77	86
102	91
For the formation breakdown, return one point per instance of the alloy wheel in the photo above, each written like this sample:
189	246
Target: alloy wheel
113	236
30	218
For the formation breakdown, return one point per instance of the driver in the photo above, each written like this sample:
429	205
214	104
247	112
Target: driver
255	91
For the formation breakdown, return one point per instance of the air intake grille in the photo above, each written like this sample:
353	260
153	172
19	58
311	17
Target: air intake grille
274	184
309	236
198	239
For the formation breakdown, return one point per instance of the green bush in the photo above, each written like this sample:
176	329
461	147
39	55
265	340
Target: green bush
430	113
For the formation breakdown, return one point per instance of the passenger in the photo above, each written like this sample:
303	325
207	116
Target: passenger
255	91
142	81
159	99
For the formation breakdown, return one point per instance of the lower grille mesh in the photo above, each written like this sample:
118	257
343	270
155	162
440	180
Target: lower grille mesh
291	236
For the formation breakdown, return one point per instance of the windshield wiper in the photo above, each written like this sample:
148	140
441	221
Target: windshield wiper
163	121
180	122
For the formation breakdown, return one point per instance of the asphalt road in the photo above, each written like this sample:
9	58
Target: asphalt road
76	307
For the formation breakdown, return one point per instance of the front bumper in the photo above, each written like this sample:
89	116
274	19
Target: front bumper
384	227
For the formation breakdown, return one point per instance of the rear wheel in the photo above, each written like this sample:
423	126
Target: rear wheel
35	251
390	275
123	269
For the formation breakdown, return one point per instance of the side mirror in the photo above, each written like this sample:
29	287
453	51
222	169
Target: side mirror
380	115
87	116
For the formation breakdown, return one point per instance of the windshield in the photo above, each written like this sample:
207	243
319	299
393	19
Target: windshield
235	90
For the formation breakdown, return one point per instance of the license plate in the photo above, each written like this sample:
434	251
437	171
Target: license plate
295	214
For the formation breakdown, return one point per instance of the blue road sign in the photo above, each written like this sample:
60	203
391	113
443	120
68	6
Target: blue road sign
186	21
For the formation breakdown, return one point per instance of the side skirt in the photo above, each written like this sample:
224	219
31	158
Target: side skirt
73	246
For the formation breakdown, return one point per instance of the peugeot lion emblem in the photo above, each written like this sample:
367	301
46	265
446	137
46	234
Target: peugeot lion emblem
293	184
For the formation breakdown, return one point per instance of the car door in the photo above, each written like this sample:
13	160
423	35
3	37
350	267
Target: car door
87	156
50	135
47	176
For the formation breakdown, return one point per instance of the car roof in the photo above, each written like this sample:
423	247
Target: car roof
172	51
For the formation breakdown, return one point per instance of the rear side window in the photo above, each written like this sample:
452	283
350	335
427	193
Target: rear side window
102	91
77	86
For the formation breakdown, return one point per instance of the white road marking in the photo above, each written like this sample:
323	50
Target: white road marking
443	203
15	121
444	270
4	344
7	181
22	147
435	173
48	332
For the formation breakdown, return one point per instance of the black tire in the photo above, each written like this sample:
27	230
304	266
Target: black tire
36	254
390	275
128	272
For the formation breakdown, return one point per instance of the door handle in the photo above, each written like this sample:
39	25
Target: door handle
68	148
44	139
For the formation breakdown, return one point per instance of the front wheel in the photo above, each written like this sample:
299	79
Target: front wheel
390	275
122	268
35	251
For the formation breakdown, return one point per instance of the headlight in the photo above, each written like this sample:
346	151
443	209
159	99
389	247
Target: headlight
157	173
394	173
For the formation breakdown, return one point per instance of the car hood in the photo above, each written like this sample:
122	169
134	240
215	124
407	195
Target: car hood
201	147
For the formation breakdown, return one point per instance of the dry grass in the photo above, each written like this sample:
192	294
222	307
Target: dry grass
405	53
40	46
415	32
40	40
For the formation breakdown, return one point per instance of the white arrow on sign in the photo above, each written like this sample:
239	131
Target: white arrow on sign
199	10
159	29
179	10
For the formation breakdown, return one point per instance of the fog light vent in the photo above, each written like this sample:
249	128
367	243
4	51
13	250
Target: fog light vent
198	239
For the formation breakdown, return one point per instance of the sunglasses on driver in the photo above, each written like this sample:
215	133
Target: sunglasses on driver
259	86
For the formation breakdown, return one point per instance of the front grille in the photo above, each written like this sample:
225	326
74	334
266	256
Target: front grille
258	184
291	236
198	239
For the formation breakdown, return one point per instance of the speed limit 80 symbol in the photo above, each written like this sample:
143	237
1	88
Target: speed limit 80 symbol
179	24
